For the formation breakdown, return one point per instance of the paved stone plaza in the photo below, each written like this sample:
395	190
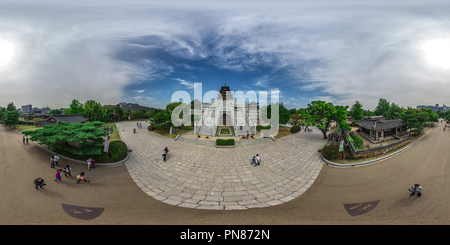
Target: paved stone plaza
201	176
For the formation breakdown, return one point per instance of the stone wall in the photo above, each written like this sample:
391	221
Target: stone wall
377	150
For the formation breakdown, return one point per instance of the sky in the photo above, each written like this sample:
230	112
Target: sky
52	52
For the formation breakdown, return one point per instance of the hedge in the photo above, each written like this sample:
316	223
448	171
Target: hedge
259	127
225	142
295	129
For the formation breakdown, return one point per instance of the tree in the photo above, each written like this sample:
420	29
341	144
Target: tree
283	113
10	107
321	114
357	111
431	115
2	112
30	116
11	117
410	120
75	107
382	107
56	111
85	139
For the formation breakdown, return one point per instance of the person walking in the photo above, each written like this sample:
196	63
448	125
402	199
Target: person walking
81	177
140	125
58	176
416	188
247	134
56	158
23	140
165	153
258	160
26	138
67	170
52	162
253	161
134	130
39	183
89	162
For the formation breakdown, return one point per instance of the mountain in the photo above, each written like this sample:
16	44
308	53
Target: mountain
132	106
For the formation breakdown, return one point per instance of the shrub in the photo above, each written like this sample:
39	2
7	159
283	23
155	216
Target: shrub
117	150
150	128
295	129
259	127
331	151
225	142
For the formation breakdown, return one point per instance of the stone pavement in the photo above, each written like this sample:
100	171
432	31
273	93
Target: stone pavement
205	177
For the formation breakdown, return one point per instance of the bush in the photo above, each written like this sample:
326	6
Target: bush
150	128
117	150
259	127
295	129
331	151
225	142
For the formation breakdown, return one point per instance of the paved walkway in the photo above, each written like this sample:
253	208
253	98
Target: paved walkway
205	177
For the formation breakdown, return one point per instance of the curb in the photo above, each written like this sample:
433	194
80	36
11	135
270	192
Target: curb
75	160
371	161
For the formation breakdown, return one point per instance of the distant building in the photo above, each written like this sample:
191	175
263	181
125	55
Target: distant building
27	108
434	108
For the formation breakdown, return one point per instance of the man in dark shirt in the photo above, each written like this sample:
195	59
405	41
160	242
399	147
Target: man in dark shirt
39	182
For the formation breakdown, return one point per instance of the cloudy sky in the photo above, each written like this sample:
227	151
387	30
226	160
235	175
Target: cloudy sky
143	51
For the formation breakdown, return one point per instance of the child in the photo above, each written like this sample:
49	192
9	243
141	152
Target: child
253	161
52	162
58	176
81	177
93	163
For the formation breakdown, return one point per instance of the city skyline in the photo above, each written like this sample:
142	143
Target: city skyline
144	51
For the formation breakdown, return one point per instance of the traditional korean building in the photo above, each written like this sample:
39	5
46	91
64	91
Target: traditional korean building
379	129
53	119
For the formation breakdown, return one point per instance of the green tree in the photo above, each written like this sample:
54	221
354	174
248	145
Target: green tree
322	114
56	111
382	107
85	139
2	112
10	107
357	111
283	113
30	116
11	118
410	120
75	107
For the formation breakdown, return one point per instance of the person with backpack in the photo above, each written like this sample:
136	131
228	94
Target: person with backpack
52	162
39	183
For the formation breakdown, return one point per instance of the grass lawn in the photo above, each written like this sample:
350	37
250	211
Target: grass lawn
22	128
178	130
225	131
115	136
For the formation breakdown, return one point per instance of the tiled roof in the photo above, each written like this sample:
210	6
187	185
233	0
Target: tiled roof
379	124
64	118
